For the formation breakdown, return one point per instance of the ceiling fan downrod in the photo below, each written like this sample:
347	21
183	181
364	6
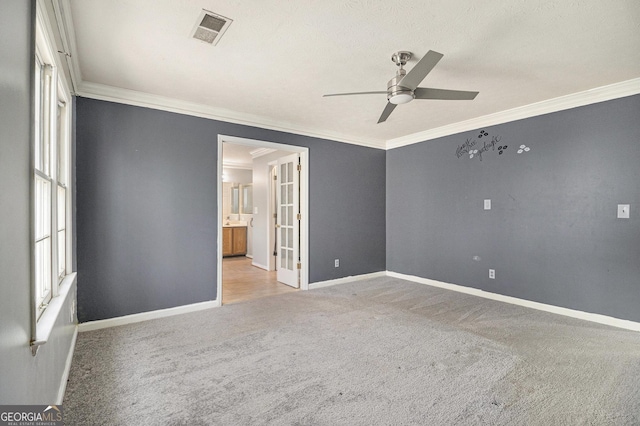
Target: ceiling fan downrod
397	94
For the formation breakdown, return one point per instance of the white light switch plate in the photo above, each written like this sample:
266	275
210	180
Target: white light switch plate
487	204
623	211
255	210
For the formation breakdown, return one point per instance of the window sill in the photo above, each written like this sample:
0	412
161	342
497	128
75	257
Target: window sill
47	321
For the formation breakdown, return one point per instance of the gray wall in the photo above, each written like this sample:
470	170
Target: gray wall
23	379
146	207
552	234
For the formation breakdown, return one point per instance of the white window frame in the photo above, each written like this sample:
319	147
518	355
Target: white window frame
63	182
58	277
45	181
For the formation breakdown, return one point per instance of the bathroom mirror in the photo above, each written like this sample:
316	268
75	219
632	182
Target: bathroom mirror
241	198
247	199
235	199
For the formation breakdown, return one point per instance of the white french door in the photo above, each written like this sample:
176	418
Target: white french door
288	219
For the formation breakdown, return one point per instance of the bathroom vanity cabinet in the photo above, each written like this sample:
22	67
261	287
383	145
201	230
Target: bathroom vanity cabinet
234	240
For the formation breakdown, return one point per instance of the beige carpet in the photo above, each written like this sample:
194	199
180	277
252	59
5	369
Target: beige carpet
375	352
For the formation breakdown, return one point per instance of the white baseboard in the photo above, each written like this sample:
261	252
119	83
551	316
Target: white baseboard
598	318
259	265
67	368
328	283
145	316
129	319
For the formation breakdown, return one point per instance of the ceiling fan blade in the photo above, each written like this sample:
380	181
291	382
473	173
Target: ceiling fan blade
387	112
420	70
451	95
356	93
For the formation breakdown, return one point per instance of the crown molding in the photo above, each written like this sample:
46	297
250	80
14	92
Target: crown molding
592	96
259	152
133	97
236	165
64	21
109	93
86	89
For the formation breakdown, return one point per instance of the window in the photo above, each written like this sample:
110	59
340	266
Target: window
51	177
42	181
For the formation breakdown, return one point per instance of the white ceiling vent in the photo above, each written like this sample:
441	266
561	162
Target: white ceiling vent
210	27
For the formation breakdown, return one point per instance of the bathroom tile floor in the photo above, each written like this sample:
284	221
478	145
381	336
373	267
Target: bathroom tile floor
241	281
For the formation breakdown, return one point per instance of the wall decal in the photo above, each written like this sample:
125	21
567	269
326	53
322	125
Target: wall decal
468	146
465	148
523	148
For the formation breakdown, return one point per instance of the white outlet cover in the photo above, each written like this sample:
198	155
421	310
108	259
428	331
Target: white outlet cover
487	204
623	211
492	274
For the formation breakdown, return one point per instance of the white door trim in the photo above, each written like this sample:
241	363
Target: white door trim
304	204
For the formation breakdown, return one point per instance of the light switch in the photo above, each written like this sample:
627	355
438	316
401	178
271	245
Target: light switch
623	211
487	204
255	210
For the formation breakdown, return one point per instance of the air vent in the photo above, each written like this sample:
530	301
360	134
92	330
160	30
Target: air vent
210	27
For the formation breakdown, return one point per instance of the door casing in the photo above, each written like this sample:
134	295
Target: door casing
304	204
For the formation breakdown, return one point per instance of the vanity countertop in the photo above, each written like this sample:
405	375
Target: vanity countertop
234	224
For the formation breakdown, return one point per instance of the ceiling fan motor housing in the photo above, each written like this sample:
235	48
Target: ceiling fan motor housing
398	94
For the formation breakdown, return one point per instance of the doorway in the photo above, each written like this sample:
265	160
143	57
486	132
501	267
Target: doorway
242	281
253	274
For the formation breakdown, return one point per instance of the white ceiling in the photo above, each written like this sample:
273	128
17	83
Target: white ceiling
237	156
279	57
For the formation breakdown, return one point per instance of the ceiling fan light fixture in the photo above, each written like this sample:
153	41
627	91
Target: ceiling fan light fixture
401	98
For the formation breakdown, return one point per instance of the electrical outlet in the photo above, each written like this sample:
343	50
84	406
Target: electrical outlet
337	263
487	204
492	274
623	211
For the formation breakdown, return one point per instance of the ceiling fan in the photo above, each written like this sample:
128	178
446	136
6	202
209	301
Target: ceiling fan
404	88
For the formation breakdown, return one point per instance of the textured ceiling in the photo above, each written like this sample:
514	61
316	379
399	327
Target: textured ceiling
279	57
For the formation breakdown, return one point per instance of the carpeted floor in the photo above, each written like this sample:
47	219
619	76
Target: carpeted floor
376	352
